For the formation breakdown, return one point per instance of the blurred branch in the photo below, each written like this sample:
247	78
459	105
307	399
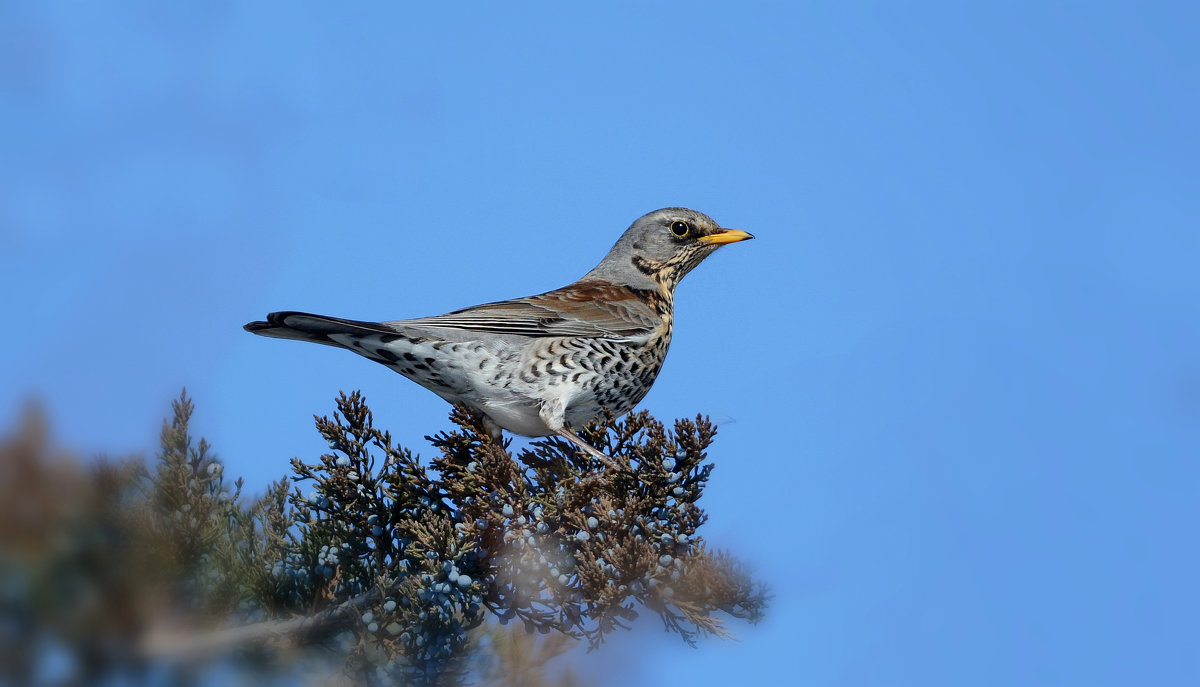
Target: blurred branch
165	643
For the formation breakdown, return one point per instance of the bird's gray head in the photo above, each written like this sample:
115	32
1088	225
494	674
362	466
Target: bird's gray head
661	247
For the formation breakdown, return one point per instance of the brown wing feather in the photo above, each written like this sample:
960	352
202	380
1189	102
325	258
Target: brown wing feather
587	308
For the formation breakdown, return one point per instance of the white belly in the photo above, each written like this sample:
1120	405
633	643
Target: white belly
518	418
492	377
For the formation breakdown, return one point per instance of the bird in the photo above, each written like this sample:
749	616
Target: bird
546	364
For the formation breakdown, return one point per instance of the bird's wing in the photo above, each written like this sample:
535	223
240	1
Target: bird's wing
587	308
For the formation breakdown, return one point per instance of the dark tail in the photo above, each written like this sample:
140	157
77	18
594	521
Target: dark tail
303	326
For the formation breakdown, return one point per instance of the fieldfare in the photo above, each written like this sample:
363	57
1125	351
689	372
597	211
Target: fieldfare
544	364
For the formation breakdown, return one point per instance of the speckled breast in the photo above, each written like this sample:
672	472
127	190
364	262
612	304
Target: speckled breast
623	372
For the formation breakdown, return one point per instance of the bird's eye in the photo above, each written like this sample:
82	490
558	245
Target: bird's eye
680	229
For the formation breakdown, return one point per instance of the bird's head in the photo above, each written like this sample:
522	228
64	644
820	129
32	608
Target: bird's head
663	246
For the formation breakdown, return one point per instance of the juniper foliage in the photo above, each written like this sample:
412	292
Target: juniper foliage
396	563
550	539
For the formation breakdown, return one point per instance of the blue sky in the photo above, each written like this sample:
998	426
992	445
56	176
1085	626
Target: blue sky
958	371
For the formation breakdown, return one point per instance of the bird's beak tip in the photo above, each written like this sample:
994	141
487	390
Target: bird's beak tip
727	236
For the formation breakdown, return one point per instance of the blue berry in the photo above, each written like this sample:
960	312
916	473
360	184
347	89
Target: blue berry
342	462
389	606
464	581
368	617
582	536
471	466
592	522
668	464
507	510
678	491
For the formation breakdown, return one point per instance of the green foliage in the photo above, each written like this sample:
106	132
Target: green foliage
211	541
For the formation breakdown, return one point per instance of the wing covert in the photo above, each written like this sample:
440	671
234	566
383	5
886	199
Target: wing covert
590	309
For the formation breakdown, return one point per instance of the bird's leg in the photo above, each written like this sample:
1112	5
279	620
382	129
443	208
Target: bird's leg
494	430
591	450
552	414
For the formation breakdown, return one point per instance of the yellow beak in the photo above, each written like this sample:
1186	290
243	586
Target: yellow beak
726	236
